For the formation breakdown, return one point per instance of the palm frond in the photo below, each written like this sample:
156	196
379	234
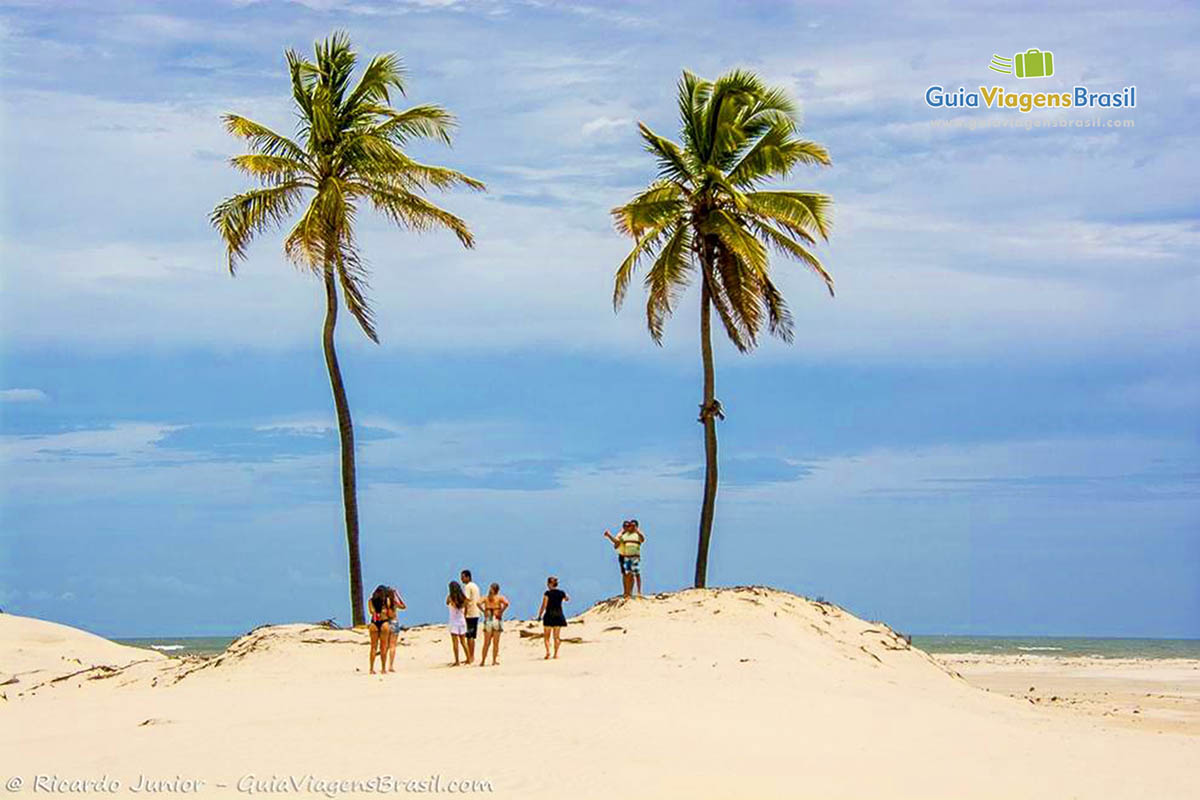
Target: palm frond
770	109
371	158
779	316
352	276
335	66
793	249
807	212
735	239
272	170
384	73
647	243
672	163
417	122
413	211
733	323
731	93
693	97
661	201
302	73
307	242
262	139
239	218
667	278
774	155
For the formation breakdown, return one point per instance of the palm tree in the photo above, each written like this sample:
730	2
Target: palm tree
348	150
706	211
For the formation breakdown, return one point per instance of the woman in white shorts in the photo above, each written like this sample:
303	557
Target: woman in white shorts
456	602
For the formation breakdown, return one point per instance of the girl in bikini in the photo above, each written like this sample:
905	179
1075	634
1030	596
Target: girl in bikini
382	614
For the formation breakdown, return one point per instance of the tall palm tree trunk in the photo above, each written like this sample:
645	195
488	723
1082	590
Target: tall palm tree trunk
708	416
346	435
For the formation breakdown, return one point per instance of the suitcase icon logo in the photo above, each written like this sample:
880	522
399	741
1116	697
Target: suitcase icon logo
1033	63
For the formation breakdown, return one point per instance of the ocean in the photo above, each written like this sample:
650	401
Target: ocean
987	645
1061	646
183	645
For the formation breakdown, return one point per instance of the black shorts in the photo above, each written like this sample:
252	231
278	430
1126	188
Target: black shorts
472	627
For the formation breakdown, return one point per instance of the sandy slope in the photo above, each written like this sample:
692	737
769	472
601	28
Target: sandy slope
33	651
705	693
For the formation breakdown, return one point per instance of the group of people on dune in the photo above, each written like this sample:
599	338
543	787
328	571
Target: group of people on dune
470	610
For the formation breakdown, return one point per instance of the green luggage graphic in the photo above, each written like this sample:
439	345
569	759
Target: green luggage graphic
1034	63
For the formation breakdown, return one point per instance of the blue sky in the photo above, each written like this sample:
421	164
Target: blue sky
992	429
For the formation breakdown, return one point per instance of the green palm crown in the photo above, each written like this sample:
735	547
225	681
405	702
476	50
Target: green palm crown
348	149
707	210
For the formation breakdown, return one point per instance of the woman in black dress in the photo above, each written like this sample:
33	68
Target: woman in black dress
551	614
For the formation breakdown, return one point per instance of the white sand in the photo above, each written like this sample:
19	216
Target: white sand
1152	694
33	651
746	693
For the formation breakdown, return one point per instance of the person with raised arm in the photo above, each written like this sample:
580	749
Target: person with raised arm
628	544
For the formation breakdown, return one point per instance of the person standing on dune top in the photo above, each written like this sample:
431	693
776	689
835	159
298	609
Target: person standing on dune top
617	546
628	544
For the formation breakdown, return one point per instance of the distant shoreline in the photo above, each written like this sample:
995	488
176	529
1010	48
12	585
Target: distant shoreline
1066	646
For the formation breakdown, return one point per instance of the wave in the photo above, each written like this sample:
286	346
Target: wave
166	647
1030	649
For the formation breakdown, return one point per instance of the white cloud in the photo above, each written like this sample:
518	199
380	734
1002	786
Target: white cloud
1050	469
22	396
604	125
935	252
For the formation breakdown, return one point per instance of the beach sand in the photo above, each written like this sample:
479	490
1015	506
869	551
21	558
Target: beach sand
1151	694
41	652
733	693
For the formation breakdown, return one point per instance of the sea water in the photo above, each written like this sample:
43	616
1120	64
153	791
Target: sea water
1061	646
182	645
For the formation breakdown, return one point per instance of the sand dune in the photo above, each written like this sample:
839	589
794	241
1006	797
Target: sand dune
33	651
730	693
